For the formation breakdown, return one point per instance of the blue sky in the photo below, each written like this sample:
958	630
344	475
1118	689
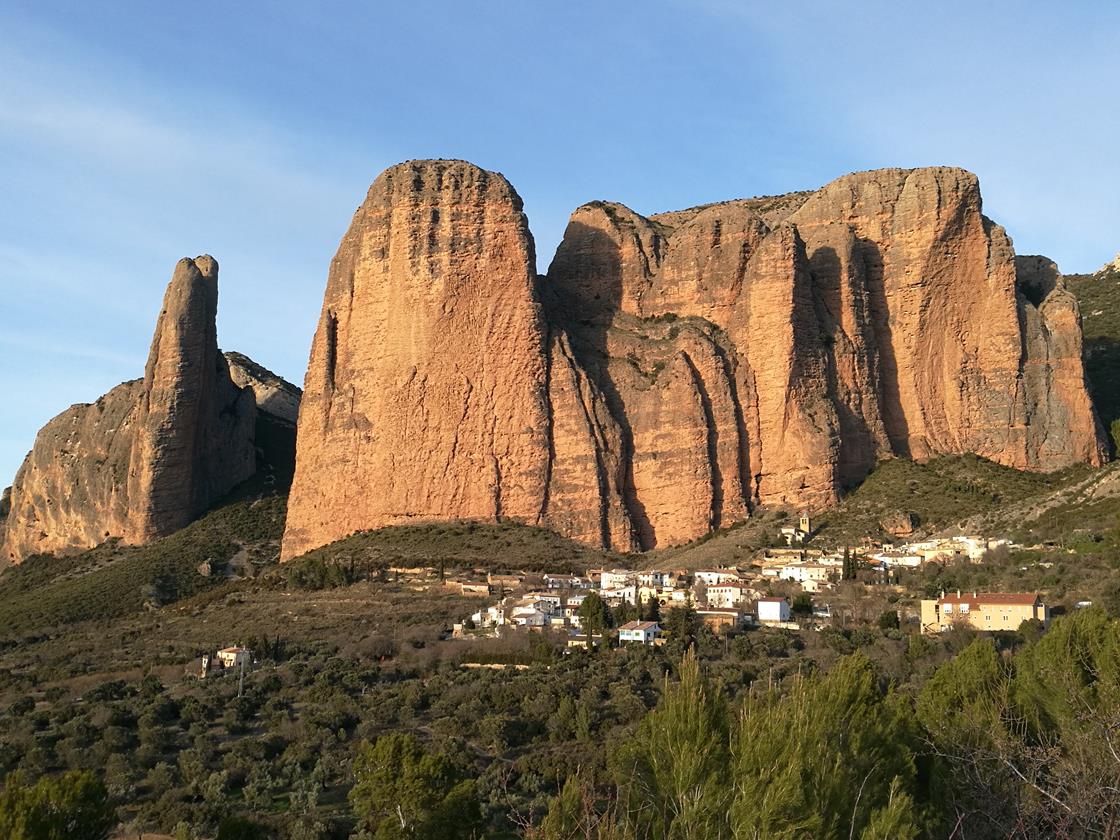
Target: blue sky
135	133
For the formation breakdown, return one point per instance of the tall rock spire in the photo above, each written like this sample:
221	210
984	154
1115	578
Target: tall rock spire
149	456
194	427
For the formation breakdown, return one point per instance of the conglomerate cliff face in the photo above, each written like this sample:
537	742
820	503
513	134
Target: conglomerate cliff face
150	455
425	395
672	372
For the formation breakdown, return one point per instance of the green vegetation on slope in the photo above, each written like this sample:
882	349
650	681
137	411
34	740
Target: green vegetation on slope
1099	296
941	491
114	580
500	546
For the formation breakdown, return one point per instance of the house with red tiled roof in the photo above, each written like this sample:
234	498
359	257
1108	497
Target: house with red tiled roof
988	611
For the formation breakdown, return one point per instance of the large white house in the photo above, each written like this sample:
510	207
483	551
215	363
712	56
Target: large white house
617	595
643	632
801	572
710	577
772	610
898	557
615	579
235	657
656	578
550	599
728	595
530	614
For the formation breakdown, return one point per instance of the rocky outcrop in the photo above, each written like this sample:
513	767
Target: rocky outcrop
587	475
152	454
955	353
1053	370
425	395
768	433
277	412
900	523
672	372
194	427
273	394
72	489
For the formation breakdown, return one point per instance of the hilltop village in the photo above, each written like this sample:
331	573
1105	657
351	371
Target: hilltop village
795	586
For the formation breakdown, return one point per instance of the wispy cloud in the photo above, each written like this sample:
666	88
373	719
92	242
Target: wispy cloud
40	343
108	181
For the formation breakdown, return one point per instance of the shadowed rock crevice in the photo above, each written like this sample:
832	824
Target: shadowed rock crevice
716	514
585	282
890	396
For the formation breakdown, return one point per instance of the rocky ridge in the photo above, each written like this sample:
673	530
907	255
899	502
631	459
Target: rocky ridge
672	372
273	394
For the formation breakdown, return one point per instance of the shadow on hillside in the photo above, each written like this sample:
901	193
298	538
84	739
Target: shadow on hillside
1102	369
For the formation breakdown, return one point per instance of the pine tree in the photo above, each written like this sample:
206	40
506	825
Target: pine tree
682	625
401	790
594	617
824	759
673	773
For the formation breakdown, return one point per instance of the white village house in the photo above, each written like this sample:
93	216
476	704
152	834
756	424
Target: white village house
772	610
617	595
643	632
714	577
728	595
802	572
615	579
656	578
235	657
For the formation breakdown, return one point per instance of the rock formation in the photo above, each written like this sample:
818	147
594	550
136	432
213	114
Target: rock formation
1053	370
152	454
425	394
273	394
672	372
277	412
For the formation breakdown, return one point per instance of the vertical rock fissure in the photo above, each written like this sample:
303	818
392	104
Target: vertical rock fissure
716	509
742	448
550	434
331	354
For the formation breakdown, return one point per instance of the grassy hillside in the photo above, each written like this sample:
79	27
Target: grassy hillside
942	492
114	580
1099	296
492	546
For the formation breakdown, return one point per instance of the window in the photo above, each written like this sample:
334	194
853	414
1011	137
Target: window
964	608
948	608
